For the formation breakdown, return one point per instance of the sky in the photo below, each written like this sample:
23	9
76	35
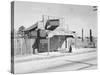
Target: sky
75	17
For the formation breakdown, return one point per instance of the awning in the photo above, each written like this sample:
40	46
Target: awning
54	33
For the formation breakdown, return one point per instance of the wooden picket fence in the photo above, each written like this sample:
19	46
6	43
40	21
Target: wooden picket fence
23	46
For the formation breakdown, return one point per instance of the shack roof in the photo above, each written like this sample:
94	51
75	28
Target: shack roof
60	33
33	27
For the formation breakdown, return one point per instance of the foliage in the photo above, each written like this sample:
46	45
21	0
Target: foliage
21	30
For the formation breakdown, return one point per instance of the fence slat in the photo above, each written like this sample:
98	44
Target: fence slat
23	46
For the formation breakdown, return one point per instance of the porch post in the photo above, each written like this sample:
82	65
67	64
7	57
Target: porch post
65	42
75	40
48	45
59	41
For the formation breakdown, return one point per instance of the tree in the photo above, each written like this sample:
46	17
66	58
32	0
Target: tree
21	30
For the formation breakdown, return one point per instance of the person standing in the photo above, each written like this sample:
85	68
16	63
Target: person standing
70	49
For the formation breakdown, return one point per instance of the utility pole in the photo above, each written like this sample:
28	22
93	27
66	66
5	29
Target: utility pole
82	35
43	20
91	39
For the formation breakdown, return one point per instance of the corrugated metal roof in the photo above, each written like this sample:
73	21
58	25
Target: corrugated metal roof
32	27
60	32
